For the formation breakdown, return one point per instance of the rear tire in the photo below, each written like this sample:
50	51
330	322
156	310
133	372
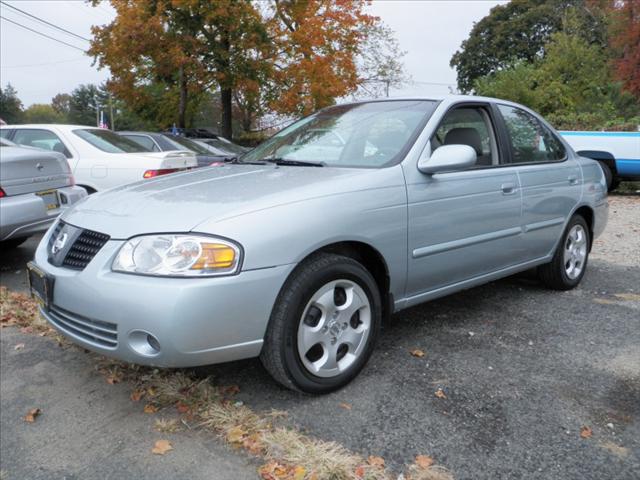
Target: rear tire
569	263
12	243
324	325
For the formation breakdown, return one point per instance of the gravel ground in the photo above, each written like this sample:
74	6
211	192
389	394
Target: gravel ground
620	242
523	370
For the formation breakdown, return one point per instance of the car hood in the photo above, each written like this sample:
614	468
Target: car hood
180	202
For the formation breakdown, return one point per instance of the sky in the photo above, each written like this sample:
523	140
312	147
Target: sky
430	31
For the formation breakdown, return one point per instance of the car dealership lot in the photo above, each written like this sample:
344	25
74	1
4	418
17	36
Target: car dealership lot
523	369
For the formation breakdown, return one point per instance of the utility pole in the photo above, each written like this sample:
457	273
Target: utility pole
111	117
95	101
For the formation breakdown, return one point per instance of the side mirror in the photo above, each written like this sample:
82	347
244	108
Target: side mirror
448	158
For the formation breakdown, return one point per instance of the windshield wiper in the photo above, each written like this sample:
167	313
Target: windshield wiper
293	163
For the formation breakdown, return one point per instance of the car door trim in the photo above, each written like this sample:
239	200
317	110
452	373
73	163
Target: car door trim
465	242
531	227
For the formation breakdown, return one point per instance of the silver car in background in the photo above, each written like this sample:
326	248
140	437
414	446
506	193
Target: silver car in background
35	187
297	251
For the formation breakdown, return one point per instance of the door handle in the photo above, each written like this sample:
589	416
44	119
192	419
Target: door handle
573	180
508	188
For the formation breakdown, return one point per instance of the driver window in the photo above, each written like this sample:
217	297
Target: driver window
468	126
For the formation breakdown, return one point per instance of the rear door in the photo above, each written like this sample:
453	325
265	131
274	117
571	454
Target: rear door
550	179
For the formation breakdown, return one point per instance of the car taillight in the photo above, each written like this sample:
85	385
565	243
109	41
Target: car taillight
157	173
2	194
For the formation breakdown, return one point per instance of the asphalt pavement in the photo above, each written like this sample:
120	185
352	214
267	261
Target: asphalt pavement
523	369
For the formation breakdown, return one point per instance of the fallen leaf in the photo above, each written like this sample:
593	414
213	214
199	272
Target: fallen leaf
235	435
182	407
32	414
273	471
585	432
112	379
346	406
161	447
150	408
19	346
26	330
151	392
299	472
253	443
376	461
417	353
440	393
230	390
360	471
136	395
423	461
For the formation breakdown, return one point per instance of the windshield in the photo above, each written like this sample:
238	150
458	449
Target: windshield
182	143
224	145
108	141
371	135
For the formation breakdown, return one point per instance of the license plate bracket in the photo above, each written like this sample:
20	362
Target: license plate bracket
50	198
40	285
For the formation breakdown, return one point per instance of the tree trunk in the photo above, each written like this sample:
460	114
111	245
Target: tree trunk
225	100
182	106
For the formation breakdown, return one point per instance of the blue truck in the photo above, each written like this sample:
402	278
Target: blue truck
617	152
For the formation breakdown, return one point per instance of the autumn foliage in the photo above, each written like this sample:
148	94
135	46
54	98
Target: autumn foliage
287	56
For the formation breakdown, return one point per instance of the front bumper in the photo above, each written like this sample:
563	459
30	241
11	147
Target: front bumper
196	321
25	215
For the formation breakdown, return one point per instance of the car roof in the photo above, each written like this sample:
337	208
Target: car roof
61	126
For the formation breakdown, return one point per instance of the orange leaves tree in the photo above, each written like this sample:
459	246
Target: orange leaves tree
290	57
318	43
625	42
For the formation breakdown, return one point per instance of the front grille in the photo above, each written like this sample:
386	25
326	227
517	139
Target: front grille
86	246
97	332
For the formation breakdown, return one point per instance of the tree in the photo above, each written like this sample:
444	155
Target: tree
571	85
42	113
84	103
180	49
318	42
61	103
10	105
518	31
625	43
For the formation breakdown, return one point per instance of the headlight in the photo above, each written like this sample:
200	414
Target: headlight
178	255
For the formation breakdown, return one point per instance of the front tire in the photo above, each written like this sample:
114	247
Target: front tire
324	325
12	243
569	263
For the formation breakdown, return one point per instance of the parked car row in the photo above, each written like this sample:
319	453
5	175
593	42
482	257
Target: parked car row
296	252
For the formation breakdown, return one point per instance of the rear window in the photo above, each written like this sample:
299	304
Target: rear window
181	143
108	141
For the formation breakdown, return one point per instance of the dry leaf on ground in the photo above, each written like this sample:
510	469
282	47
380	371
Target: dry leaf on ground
112	379
440	393
19	346
346	406
424	461
150	408
376	461
136	395
161	447
32	414
182	407
274	471
235	434
585	432
417	353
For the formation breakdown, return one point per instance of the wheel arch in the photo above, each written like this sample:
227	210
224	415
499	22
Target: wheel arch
601	156
586	212
371	259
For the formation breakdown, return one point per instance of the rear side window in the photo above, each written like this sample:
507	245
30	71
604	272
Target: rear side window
531	141
144	141
108	141
45	139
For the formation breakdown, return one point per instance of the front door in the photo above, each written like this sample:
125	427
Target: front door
463	224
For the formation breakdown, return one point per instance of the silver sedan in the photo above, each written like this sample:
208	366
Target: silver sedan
35	187
297	251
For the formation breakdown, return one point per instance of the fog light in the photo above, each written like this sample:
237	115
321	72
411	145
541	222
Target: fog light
144	343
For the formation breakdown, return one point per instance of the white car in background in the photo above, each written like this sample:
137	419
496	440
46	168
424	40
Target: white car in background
99	158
